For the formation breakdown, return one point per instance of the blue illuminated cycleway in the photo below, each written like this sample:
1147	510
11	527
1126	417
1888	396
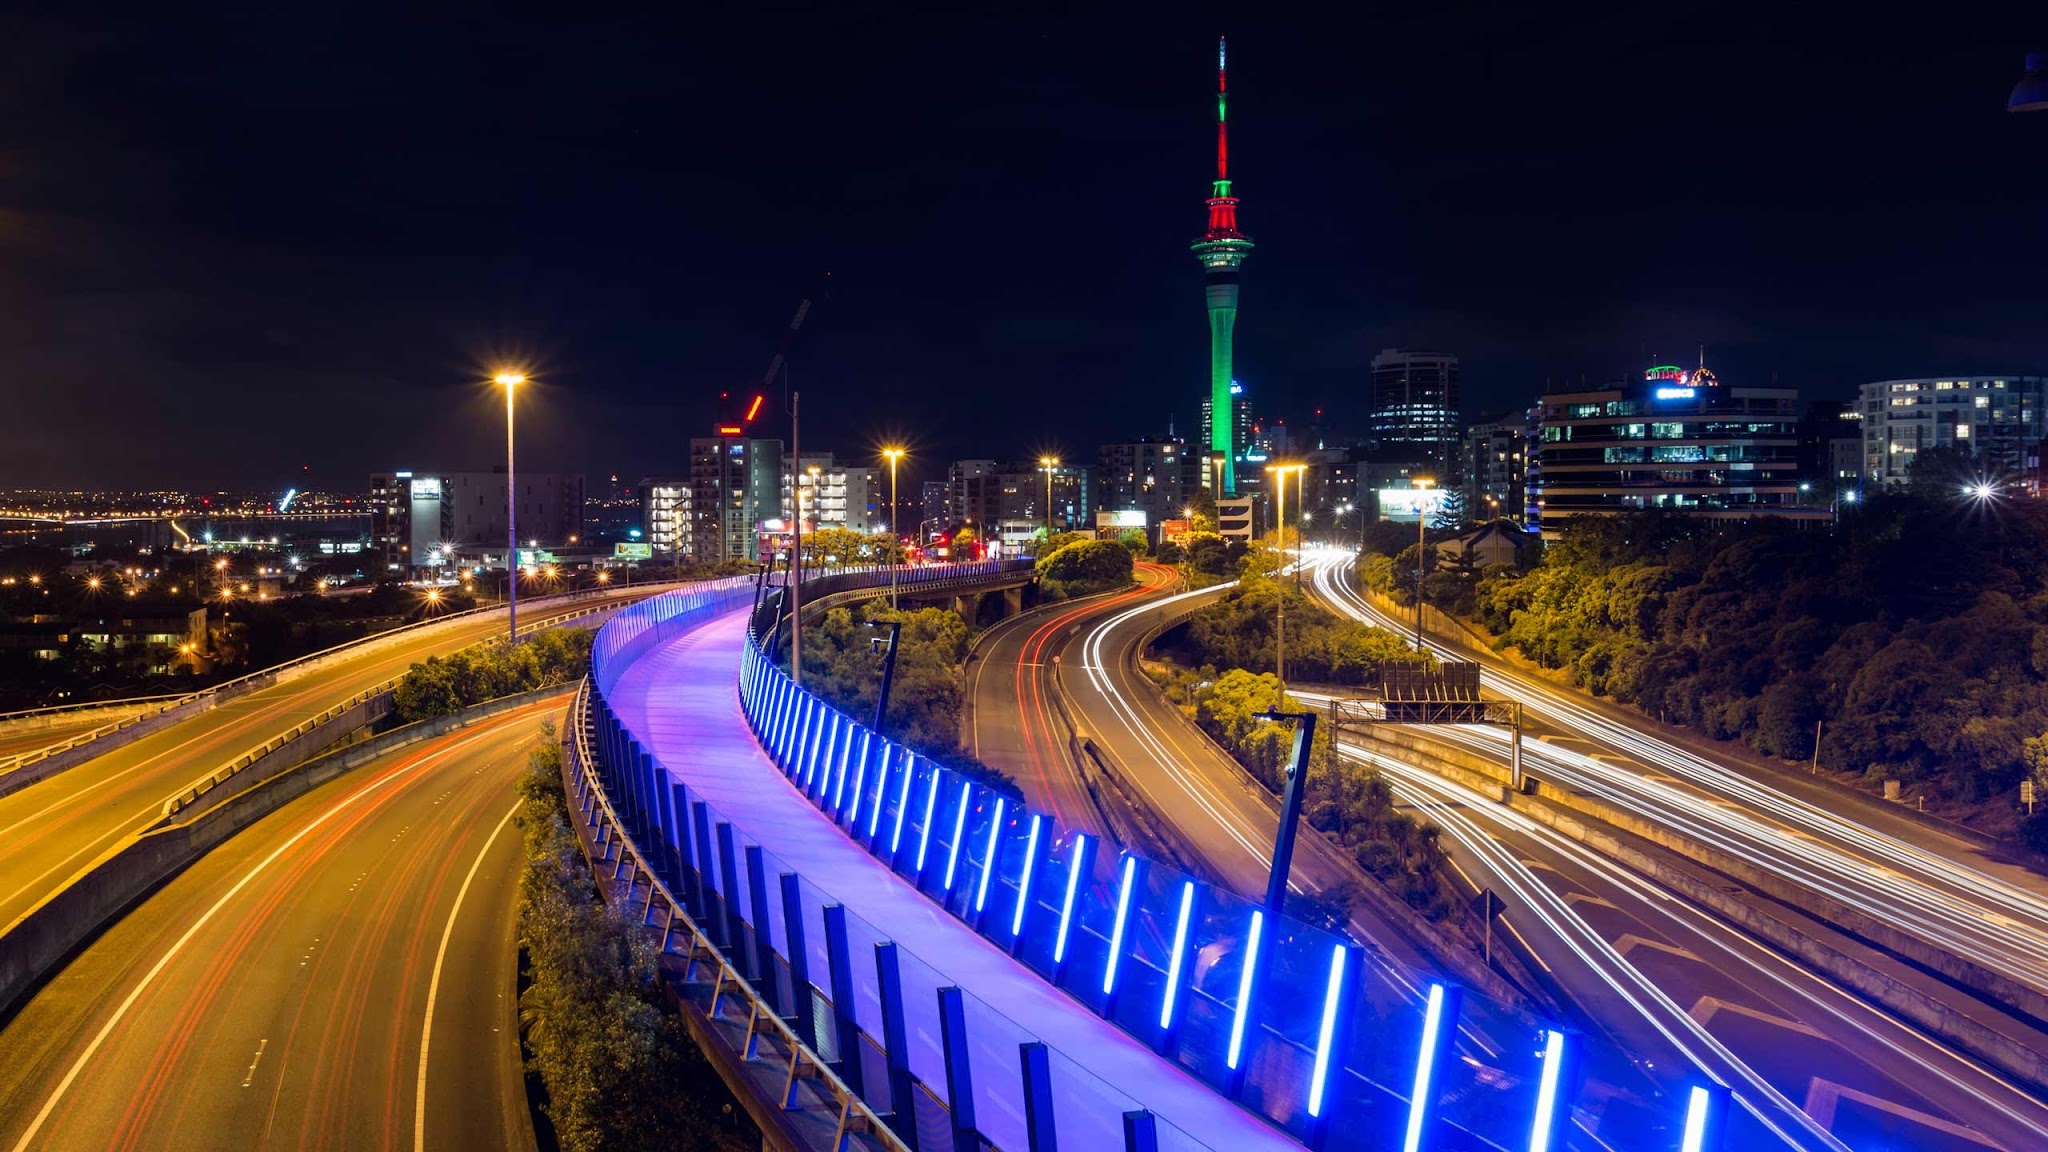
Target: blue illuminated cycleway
678	699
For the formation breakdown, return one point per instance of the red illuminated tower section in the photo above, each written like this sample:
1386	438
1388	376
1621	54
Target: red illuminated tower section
1222	250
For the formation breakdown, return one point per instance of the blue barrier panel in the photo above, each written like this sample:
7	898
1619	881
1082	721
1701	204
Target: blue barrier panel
959	1066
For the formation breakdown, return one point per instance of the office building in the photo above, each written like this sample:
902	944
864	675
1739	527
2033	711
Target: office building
735	484
1156	475
1993	420
1415	406
1676	439
424	520
1240	432
1494	468
1831	450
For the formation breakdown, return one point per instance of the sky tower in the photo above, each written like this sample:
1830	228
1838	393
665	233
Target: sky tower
1222	250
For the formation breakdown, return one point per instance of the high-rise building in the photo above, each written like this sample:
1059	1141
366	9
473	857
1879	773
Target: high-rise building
1415	406
735	484
837	495
934	503
1677	439
1156	475
666	516
1495	468
425	519
1240	436
1994	420
974	494
1222	251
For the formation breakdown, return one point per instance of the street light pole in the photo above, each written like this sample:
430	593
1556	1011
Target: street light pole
1279	473
1048	463
1423	484
892	455
511	381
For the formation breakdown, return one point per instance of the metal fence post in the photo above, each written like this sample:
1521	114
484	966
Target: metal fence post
804	1003
700	816
686	864
846	1026
1141	1132
1036	1062
729	882
895	1043
959	1068
764	944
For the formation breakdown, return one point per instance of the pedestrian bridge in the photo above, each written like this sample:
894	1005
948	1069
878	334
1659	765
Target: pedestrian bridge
982	978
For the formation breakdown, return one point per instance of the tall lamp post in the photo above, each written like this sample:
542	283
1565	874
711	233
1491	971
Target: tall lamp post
511	382
1048	463
1279	473
1422	485
892	455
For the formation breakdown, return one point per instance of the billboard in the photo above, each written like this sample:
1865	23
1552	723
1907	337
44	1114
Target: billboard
1406	504
1119	520
1172	528
625	551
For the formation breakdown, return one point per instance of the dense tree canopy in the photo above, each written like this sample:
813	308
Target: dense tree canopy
1085	567
1915	633
1239	631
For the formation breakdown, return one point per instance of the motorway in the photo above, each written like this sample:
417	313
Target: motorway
28	740
1817	1064
341	975
52	829
1175	771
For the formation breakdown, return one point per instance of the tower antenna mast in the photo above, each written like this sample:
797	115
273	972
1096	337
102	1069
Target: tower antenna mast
1222	250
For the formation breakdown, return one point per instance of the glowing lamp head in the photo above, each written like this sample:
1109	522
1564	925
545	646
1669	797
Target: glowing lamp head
509	379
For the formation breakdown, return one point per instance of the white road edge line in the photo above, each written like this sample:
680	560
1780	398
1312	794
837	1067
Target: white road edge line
63	1086
419	1113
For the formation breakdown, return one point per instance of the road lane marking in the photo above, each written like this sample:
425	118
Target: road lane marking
258	1059
99	1039
419	1114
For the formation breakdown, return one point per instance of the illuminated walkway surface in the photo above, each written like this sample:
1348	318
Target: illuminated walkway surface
681	700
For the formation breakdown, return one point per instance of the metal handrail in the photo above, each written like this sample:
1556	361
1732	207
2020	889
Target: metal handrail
88	706
190	794
855	1117
175	702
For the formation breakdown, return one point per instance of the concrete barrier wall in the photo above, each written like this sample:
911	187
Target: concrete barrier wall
107	742
1589	822
45	935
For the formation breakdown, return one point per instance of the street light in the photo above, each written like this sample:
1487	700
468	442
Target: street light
892	455
511	382
2031	93
1048	463
1279	472
1422	485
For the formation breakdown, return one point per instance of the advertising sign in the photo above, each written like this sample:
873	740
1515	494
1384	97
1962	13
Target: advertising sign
625	551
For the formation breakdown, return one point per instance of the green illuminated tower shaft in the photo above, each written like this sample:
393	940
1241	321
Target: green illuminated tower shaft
1222	251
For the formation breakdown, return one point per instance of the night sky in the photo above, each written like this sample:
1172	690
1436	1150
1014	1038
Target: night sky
261	245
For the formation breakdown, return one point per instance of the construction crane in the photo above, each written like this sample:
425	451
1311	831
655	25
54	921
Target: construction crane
781	357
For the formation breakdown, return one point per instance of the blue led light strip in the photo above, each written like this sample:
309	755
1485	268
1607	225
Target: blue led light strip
1077	862
1243	1010
1425	1069
1116	929
959	832
1541	1131
1180	948
881	789
1024	880
924	832
902	802
1333	993
988	860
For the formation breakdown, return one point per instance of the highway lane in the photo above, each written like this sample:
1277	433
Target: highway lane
1015	725
277	993
52	829
36	739
1951	903
1797	1038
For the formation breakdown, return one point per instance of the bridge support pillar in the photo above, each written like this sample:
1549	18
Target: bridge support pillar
967	605
1013	601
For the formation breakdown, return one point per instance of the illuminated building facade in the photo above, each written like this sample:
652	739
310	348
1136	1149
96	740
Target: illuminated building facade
1676	439
1994	420
1415	408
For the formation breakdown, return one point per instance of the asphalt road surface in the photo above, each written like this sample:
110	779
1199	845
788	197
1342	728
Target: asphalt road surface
52	829
1815	1063
279	993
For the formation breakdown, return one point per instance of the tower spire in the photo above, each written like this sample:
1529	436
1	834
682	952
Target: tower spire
1222	116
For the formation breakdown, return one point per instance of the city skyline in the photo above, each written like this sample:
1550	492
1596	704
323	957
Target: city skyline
609	246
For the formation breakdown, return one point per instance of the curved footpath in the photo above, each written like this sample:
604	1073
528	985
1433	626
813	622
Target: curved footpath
680	700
